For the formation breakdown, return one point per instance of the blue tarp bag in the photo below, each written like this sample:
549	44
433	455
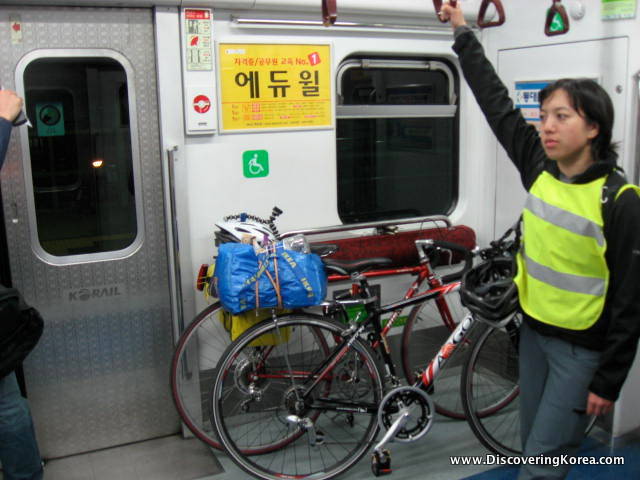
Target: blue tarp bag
245	280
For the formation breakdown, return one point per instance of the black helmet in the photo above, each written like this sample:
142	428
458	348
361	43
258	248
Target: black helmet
488	289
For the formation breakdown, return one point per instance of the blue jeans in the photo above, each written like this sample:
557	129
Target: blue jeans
19	452
554	384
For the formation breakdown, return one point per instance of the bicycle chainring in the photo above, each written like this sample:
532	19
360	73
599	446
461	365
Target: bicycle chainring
407	399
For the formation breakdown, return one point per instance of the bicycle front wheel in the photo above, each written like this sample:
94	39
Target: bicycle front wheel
489	387
192	371
271	398
427	328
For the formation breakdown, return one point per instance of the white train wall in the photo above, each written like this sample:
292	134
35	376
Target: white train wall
302	182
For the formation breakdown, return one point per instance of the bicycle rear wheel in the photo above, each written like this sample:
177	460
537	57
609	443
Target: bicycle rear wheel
489	387
192	371
427	328
258	404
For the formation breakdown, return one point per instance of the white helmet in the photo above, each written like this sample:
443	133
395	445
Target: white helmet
237	231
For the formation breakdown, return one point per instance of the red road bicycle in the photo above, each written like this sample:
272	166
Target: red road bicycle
427	325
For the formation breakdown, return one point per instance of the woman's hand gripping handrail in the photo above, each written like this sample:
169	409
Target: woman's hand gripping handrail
437	4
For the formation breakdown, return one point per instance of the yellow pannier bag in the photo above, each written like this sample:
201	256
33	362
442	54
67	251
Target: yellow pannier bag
236	325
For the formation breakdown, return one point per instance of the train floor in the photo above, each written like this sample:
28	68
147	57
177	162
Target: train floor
175	458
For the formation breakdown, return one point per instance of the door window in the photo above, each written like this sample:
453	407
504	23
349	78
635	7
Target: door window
82	175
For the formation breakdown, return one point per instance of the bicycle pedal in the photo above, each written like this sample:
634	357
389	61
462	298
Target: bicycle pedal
381	463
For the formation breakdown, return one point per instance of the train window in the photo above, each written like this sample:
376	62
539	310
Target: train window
396	139
81	186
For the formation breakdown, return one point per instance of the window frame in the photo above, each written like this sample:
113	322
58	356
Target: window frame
370	112
137	242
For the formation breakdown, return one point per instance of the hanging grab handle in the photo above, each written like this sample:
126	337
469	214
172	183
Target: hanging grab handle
329	12
437	4
557	20
482	23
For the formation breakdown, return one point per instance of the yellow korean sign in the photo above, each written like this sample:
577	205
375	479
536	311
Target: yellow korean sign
275	86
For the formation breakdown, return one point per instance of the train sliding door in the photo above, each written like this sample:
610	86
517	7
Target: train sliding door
83	208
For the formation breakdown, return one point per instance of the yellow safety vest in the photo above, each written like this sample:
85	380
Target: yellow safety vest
562	274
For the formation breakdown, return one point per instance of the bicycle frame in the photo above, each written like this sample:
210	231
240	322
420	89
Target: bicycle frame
322	372
436	292
423	272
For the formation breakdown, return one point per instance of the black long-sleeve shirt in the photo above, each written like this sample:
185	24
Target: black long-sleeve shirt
5	133
617	330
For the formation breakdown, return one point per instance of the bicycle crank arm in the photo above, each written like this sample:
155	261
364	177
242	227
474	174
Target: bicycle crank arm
395	427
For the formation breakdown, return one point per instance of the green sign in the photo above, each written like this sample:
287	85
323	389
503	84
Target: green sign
557	25
615	9
50	119
255	163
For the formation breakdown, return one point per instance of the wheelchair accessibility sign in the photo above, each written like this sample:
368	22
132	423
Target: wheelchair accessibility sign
255	163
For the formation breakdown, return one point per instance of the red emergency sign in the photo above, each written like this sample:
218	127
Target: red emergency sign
191	14
201	104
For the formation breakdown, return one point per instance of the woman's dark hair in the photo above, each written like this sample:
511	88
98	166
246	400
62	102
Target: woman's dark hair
593	102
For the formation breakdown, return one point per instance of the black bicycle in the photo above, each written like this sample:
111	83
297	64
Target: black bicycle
304	395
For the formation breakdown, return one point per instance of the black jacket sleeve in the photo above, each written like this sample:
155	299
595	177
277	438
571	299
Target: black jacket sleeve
623	299
5	133
519	139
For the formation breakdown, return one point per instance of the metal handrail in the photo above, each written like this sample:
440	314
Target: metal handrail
360	226
173	240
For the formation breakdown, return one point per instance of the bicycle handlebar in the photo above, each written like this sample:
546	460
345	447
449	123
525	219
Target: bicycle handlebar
453	247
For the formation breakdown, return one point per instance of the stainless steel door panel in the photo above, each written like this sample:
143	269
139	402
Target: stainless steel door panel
99	376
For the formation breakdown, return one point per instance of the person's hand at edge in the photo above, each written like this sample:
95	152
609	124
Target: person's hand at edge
453	14
597	405
10	105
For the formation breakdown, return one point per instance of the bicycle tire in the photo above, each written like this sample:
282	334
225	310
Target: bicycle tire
269	412
428	326
192	367
489	388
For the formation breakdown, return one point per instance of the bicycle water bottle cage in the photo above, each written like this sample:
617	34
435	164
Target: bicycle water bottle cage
557	22
437	4
482	23
329	12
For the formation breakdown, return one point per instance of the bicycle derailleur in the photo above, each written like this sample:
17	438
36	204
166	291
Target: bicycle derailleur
248	380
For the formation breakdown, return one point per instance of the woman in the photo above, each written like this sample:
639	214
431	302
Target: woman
579	262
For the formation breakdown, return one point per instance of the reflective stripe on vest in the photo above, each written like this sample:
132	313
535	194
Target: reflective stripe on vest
562	274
